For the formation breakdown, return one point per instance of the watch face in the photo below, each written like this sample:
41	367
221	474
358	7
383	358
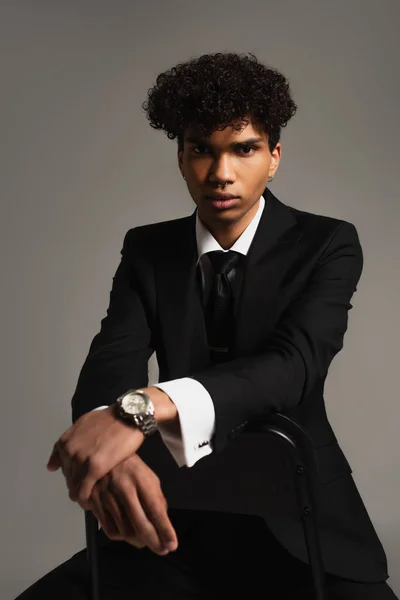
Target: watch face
134	404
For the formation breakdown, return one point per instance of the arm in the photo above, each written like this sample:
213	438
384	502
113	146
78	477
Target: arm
189	439
298	351
118	360
118	355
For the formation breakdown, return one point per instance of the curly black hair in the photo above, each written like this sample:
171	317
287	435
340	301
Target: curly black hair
209	92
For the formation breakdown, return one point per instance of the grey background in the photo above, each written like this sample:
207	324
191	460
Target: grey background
80	166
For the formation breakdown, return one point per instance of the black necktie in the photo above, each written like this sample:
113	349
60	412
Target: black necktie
219	312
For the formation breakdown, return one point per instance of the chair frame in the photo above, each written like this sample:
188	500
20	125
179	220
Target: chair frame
305	473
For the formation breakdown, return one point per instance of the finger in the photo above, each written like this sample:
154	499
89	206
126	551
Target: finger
103	516
66	467
96	506
139	520
156	509
116	513
72	473
54	461
110	504
109	525
129	535
93	474
76	476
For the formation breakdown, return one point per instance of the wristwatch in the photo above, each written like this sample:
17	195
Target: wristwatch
135	407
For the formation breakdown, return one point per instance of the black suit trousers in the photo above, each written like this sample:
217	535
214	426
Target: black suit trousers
220	555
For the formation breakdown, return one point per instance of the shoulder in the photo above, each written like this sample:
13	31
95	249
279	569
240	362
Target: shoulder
153	238
313	222
323	230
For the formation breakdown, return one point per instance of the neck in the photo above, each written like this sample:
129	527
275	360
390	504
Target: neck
226	234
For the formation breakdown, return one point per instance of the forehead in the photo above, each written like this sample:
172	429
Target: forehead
238	131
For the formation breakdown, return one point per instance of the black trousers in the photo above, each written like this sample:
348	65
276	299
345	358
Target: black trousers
220	556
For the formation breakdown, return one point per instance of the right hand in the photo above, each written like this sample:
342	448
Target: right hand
129	504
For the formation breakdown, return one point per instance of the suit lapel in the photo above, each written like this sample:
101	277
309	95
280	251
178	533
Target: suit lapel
180	306
273	249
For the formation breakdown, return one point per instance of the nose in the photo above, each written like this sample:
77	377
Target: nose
223	170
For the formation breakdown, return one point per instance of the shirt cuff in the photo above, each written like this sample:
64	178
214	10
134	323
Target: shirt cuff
197	420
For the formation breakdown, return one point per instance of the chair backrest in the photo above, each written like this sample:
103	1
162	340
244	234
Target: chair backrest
253	475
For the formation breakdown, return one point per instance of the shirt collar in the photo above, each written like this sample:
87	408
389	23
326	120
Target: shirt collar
206	242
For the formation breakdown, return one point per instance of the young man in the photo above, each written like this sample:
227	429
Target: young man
246	304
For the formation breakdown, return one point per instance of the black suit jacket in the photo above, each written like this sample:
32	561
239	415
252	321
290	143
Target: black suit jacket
300	274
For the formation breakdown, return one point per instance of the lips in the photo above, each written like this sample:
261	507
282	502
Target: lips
221	197
225	203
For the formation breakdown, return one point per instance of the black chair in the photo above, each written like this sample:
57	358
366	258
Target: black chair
305	473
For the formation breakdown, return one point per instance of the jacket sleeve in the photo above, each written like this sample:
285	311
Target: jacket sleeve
118	355
297	352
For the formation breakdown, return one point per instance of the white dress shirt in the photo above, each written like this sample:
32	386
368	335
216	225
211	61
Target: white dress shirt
193	402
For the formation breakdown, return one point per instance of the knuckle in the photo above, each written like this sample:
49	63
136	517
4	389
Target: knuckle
102	485
81	499
117	484
94	465
67	448
63	439
80	457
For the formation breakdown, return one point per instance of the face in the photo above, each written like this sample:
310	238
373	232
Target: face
240	158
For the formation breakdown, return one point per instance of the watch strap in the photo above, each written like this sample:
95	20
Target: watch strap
147	423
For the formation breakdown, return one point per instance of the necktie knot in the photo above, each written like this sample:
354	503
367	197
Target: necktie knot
223	262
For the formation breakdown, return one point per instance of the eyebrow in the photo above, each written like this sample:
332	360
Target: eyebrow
204	141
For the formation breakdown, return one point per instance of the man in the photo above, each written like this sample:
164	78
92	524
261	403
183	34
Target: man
246	304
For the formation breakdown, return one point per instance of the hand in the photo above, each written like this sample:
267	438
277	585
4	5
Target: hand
96	443
129	504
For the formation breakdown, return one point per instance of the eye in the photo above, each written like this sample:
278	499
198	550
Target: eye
244	147
247	147
196	147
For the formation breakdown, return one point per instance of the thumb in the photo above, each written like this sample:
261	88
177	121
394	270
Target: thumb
54	461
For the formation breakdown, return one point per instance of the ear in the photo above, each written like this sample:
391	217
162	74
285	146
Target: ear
275	159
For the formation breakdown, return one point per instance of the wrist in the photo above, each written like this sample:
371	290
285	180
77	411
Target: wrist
165	411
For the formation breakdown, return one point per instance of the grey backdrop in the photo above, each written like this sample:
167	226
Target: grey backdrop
80	166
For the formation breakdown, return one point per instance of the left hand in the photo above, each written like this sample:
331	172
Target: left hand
130	505
87	451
